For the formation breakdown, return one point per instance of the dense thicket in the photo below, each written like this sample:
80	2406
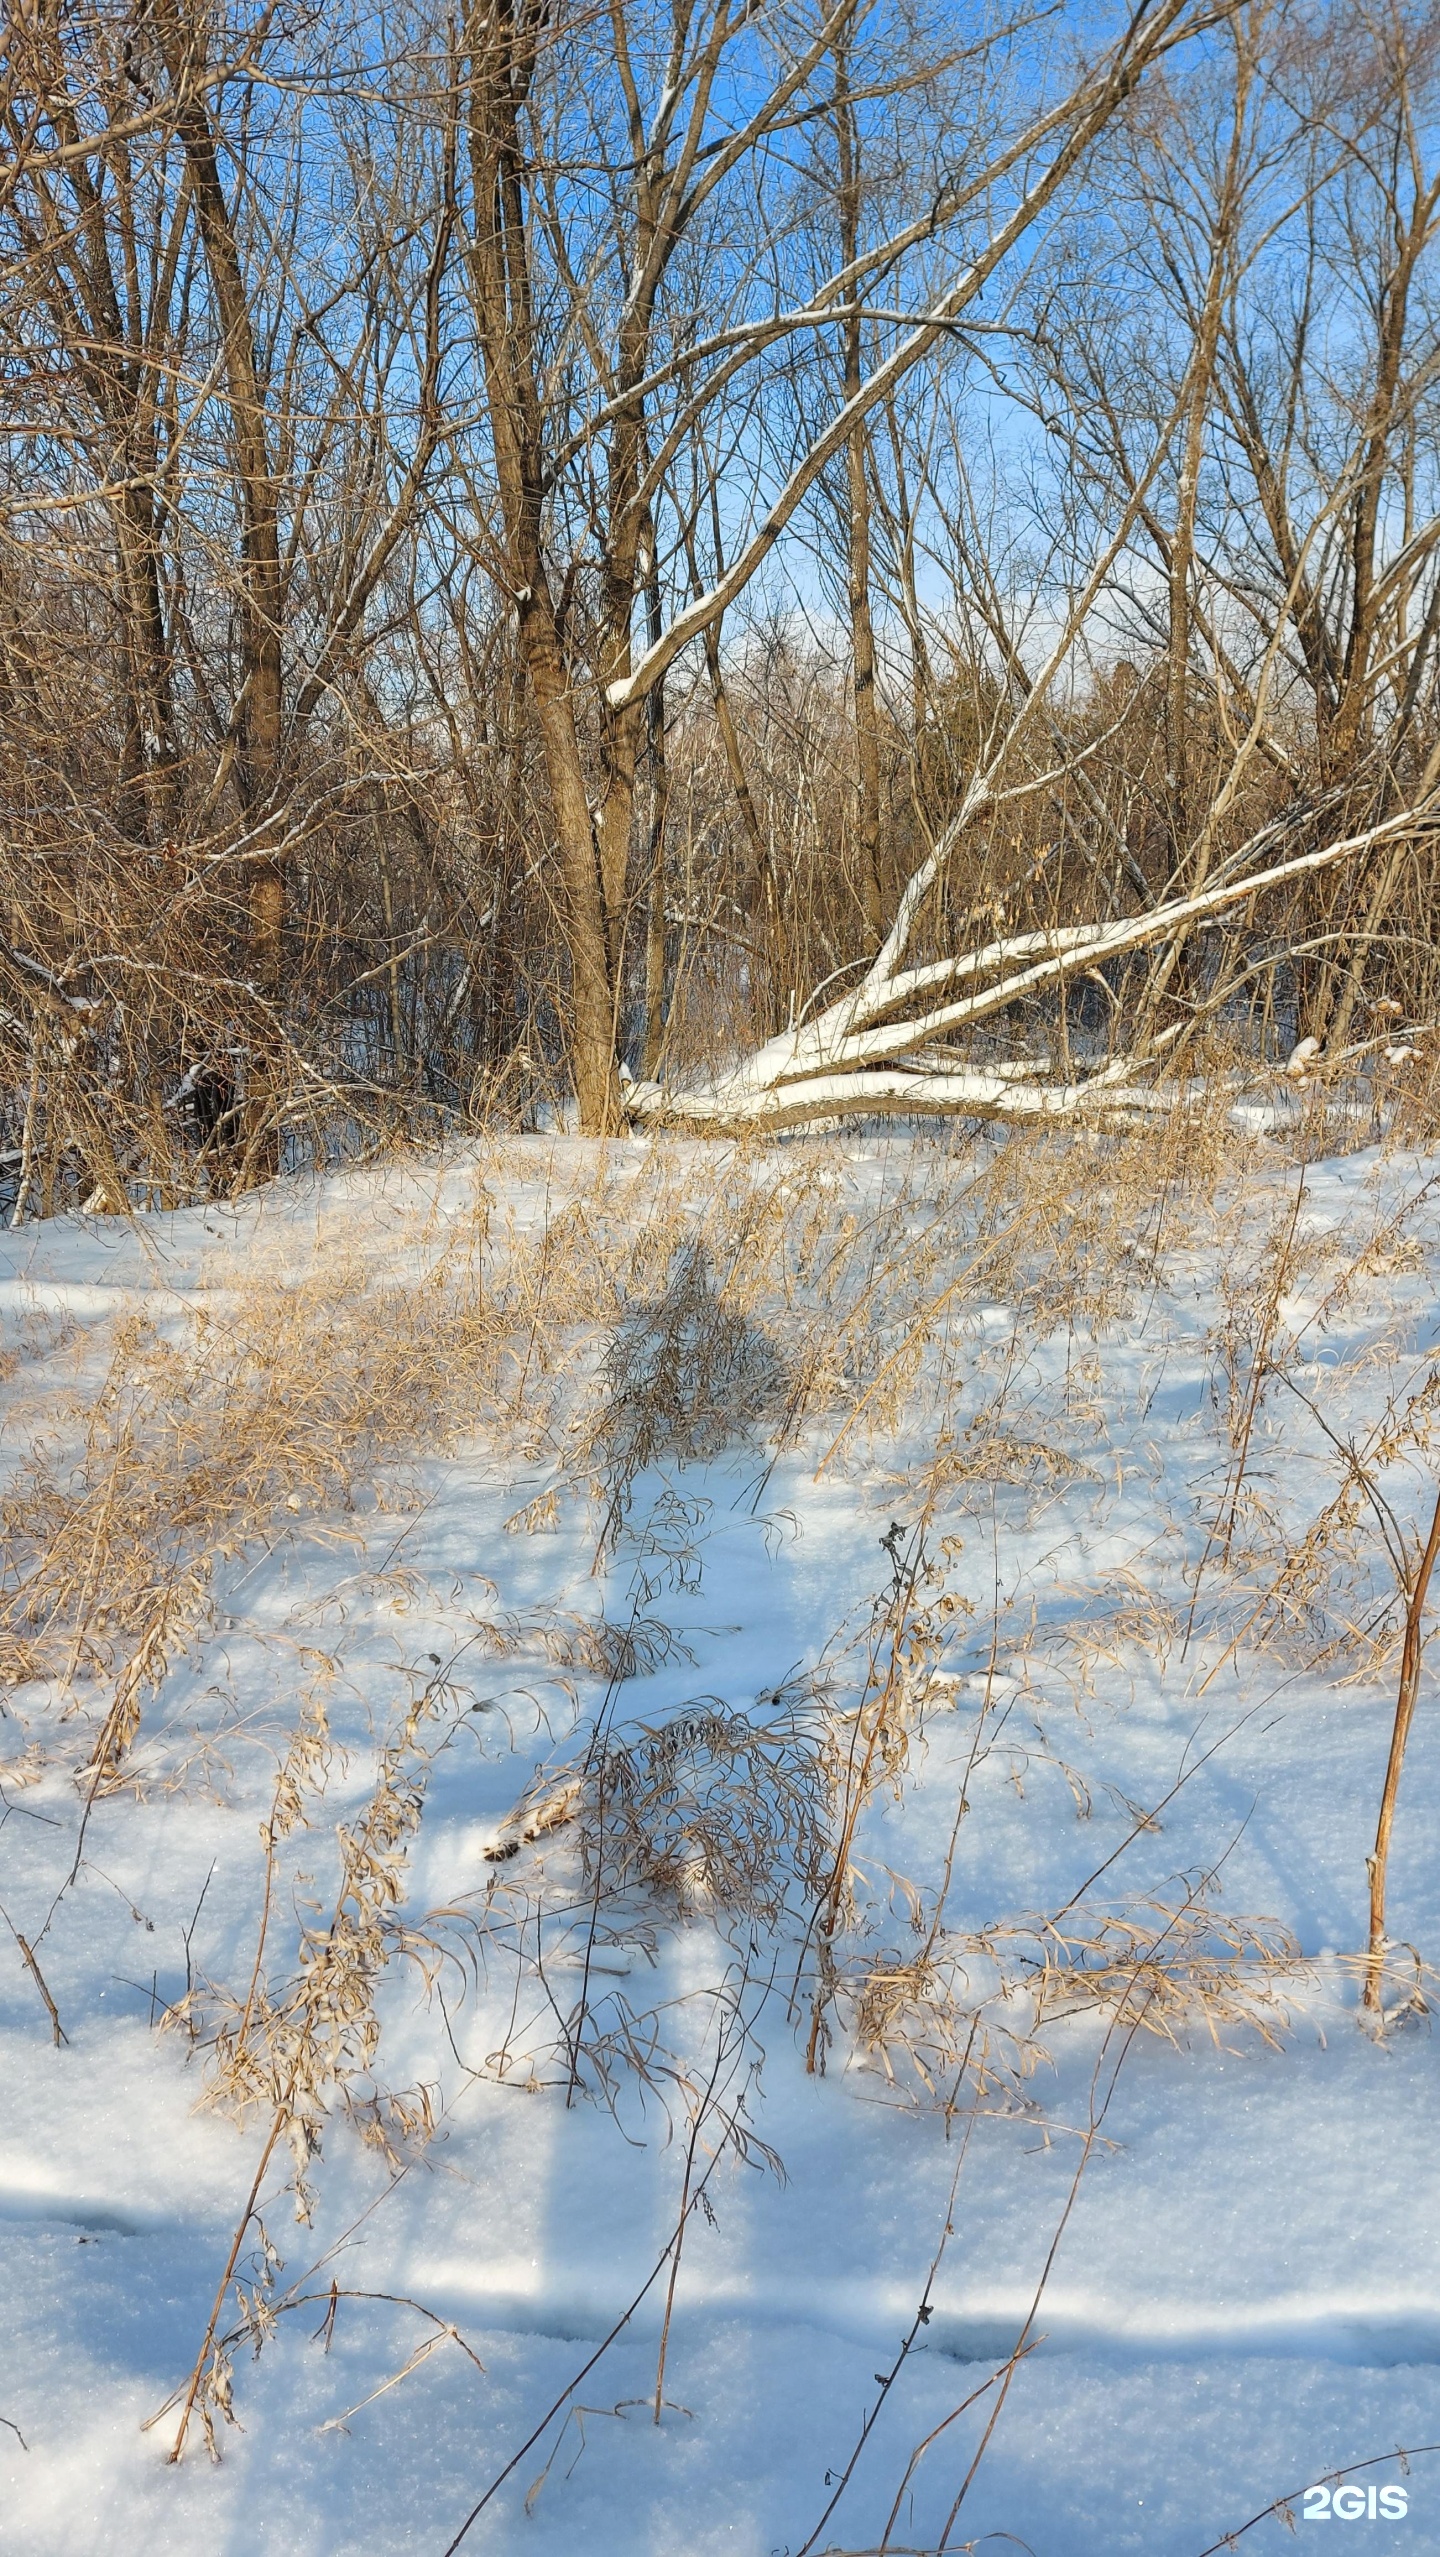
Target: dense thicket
537	541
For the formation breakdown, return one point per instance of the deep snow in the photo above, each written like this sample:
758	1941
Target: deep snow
1247	2292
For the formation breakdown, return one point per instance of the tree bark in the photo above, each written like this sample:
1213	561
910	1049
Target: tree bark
857	510
501	63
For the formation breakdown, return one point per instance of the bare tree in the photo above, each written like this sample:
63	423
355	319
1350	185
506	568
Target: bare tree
597	375
728	567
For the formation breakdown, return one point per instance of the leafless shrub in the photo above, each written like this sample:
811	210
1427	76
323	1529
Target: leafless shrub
301	2053
711	1811
277	1408
684	1376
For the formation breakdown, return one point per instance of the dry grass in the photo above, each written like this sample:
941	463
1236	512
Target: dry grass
675	1305
275	1408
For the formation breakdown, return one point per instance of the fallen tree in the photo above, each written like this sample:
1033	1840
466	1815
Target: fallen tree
879	1047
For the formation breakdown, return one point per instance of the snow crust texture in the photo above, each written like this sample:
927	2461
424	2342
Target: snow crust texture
875	1661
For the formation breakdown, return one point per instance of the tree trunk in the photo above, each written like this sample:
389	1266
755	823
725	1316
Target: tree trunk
498	275
654	1035
259	714
857	491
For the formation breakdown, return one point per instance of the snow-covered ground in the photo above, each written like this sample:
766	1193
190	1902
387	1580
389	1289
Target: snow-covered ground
1245	2293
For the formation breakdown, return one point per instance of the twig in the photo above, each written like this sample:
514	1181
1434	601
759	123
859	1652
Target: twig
176	2451
188	1935
601	2349
1027	2340
1223	1530
32	1966
422	2353
1378	1863
701	2110
921	2319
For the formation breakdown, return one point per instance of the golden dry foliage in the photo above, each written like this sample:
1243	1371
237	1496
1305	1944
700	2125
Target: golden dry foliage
629	1316
277	1400
658	1310
652	1318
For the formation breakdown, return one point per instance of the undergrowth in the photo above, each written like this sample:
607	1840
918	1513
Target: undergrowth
668	1308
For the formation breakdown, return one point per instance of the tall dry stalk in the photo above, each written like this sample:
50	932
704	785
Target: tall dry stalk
1378	1863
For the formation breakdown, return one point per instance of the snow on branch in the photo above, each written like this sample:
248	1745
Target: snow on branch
1077	121
853	1055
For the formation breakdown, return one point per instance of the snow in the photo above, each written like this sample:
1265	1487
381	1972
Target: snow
1246	2291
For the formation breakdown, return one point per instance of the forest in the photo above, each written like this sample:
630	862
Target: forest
719	1229
703	567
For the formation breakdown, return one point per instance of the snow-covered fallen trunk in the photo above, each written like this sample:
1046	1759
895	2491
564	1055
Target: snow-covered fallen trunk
962	1091
849	1058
